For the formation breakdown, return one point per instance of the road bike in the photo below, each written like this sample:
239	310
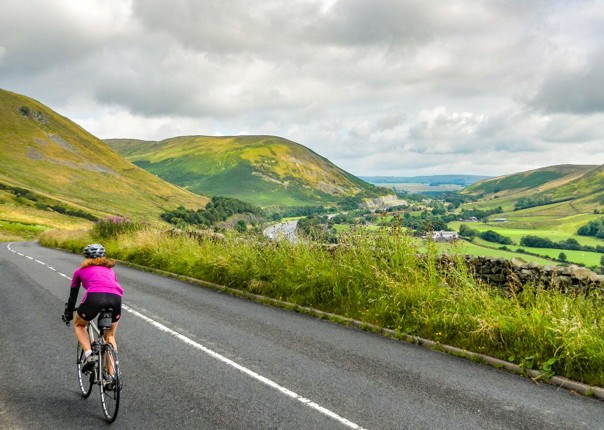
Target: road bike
106	371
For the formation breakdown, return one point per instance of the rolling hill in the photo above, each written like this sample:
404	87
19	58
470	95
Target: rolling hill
581	185
54	173
263	170
564	196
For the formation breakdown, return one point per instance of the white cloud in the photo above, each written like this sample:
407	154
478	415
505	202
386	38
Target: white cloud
386	87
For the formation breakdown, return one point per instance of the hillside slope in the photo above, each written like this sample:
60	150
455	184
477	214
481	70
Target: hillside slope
264	170
561	197
582	185
530	182
49	161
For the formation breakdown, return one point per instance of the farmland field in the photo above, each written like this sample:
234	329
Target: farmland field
419	187
561	233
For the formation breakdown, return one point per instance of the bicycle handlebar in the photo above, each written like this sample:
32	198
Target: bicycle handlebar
64	318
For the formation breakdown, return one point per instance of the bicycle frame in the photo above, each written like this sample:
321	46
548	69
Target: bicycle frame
106	368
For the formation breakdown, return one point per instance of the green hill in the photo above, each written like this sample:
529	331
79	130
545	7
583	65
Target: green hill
54	173
579	187
264	170
556	198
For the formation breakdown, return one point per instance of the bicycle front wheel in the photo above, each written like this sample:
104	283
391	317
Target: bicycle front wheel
85	380
111	382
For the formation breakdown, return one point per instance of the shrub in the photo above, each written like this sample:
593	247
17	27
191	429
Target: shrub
113	226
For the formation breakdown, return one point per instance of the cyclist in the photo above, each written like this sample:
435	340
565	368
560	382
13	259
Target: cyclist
103	291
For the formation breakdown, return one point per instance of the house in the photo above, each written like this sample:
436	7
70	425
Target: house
445	236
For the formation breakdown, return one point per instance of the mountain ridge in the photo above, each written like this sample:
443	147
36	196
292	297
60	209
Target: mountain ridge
261	169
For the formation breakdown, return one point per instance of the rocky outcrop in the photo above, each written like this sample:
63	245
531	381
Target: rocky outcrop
383	202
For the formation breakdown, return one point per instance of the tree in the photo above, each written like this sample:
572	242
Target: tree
602	263
493	236
467	232
562	256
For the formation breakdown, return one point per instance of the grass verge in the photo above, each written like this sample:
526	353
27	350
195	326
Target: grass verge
381	280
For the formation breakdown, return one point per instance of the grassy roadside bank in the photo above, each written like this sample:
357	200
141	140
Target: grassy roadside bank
379	279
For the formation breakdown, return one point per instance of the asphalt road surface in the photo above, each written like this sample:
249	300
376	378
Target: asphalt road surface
284	230
194	358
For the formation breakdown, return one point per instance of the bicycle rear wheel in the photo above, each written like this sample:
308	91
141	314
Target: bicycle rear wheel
85	380
111	382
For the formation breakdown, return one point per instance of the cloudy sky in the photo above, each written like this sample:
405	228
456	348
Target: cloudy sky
379	87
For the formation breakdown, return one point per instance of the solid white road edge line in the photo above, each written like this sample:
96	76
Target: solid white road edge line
224	360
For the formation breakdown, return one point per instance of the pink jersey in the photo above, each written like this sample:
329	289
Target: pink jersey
97	279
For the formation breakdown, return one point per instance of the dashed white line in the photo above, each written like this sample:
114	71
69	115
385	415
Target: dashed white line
226	360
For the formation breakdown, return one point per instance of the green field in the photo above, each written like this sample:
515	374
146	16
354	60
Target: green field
16	231
555	233
420	187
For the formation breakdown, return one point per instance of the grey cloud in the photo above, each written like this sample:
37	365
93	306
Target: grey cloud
565	128
228	28
580	91
369	83
39	35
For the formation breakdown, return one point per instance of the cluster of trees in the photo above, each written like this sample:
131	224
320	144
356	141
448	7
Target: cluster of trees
66	211
529	202
350	203
480	214
593	228
217	210
46	204
421	224
568	244
361	216
489	235
279	213
318	228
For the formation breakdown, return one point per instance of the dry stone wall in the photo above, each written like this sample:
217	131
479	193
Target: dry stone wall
516	273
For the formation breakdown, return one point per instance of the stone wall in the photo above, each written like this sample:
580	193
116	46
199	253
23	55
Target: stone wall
516	273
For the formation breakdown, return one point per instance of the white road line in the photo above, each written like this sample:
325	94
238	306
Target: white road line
229	362
245	370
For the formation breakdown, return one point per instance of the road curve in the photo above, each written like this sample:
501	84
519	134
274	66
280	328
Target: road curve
283	230
194	358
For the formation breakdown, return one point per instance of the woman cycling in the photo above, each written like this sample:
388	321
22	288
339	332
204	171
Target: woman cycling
103	291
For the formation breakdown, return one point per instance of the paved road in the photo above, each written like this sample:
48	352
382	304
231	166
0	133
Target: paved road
283	230
195	358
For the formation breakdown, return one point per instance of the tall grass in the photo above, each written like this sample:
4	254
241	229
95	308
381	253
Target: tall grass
382	279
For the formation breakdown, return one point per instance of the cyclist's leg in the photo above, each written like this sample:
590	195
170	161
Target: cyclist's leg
80	325
115	303
110	335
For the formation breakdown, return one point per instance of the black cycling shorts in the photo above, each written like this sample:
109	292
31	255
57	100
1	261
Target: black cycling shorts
94	302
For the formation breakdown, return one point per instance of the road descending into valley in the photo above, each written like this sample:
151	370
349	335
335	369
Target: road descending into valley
195	358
